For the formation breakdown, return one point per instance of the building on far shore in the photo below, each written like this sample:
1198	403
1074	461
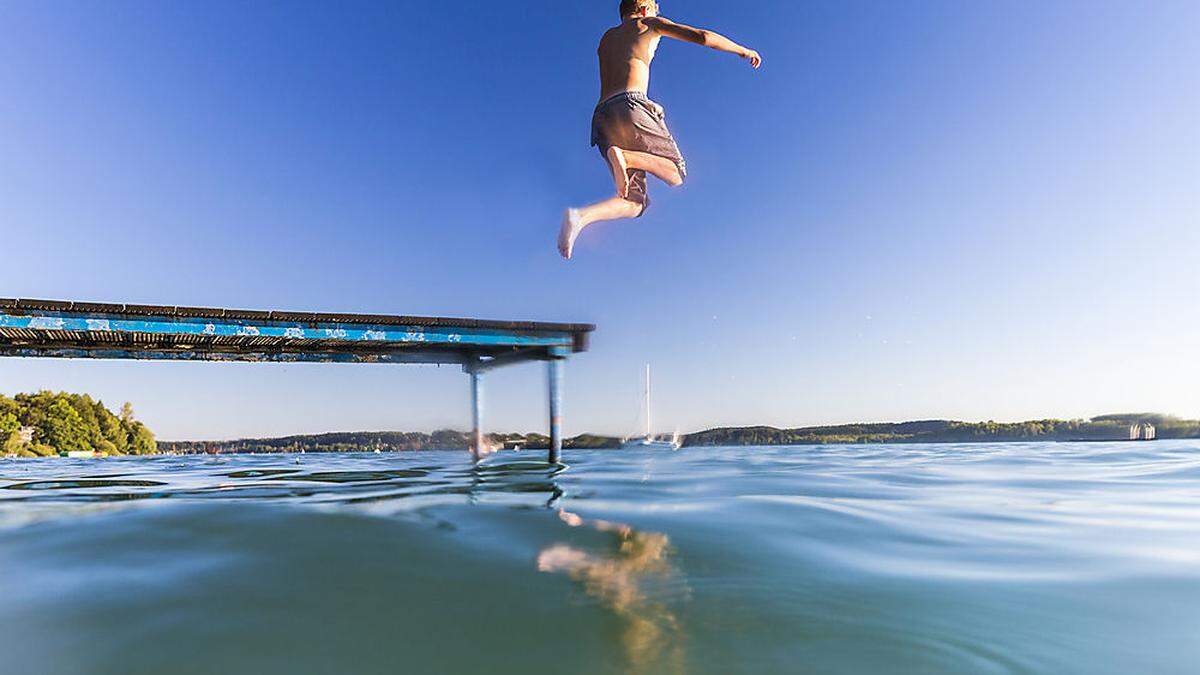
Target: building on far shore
1142	431
25	435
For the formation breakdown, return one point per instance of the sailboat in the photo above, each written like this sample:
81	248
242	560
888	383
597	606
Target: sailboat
650	441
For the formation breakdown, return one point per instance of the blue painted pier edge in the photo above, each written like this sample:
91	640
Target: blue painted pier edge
66	329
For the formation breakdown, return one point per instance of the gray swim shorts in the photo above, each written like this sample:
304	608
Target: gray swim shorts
631	121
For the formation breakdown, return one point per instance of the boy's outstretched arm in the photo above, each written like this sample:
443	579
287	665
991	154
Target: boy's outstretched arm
703	37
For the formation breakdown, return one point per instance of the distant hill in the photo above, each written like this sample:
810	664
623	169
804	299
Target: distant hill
1105	427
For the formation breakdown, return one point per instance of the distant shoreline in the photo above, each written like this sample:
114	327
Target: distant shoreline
51	424
1105	428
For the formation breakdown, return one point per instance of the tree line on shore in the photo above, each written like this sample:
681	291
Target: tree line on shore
383	441
48	423
1102	428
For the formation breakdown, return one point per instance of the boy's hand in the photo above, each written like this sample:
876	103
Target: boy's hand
753	57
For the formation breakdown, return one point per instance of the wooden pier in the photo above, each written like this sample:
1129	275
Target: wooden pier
61	329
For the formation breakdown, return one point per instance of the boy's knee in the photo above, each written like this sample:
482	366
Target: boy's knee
635	209
680	174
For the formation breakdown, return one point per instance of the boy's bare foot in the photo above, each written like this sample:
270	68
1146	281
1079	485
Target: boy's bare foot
620	170
571	226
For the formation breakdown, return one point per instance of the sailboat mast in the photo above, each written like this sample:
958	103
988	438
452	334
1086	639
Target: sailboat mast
648	425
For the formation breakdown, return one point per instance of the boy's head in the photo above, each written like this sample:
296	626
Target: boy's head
638	8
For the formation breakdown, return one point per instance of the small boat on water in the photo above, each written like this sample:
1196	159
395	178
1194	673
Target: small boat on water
650	440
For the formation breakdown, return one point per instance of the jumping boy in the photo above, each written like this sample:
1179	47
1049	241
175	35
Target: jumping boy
628	128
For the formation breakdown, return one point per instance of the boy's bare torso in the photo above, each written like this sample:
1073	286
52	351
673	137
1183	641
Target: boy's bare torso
625	54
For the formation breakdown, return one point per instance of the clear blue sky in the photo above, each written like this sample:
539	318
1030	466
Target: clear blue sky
929	209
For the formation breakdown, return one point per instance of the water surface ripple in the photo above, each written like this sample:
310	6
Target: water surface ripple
980	558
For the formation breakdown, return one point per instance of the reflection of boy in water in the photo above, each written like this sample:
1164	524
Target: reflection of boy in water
652	631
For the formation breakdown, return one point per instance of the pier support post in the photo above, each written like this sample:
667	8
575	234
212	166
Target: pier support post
555	376
477	448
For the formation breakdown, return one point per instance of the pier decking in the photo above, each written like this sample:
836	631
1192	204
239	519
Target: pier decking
63	329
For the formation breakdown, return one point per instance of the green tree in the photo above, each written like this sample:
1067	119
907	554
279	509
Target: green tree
8	423
111	431
142	441
63	429
41	450
85	407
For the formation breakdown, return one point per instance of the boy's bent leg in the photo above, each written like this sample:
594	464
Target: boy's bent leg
574	220
665	169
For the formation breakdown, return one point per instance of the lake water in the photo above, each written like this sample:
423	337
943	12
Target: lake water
997	558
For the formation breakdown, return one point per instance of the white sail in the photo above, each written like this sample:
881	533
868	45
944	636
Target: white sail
649	440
